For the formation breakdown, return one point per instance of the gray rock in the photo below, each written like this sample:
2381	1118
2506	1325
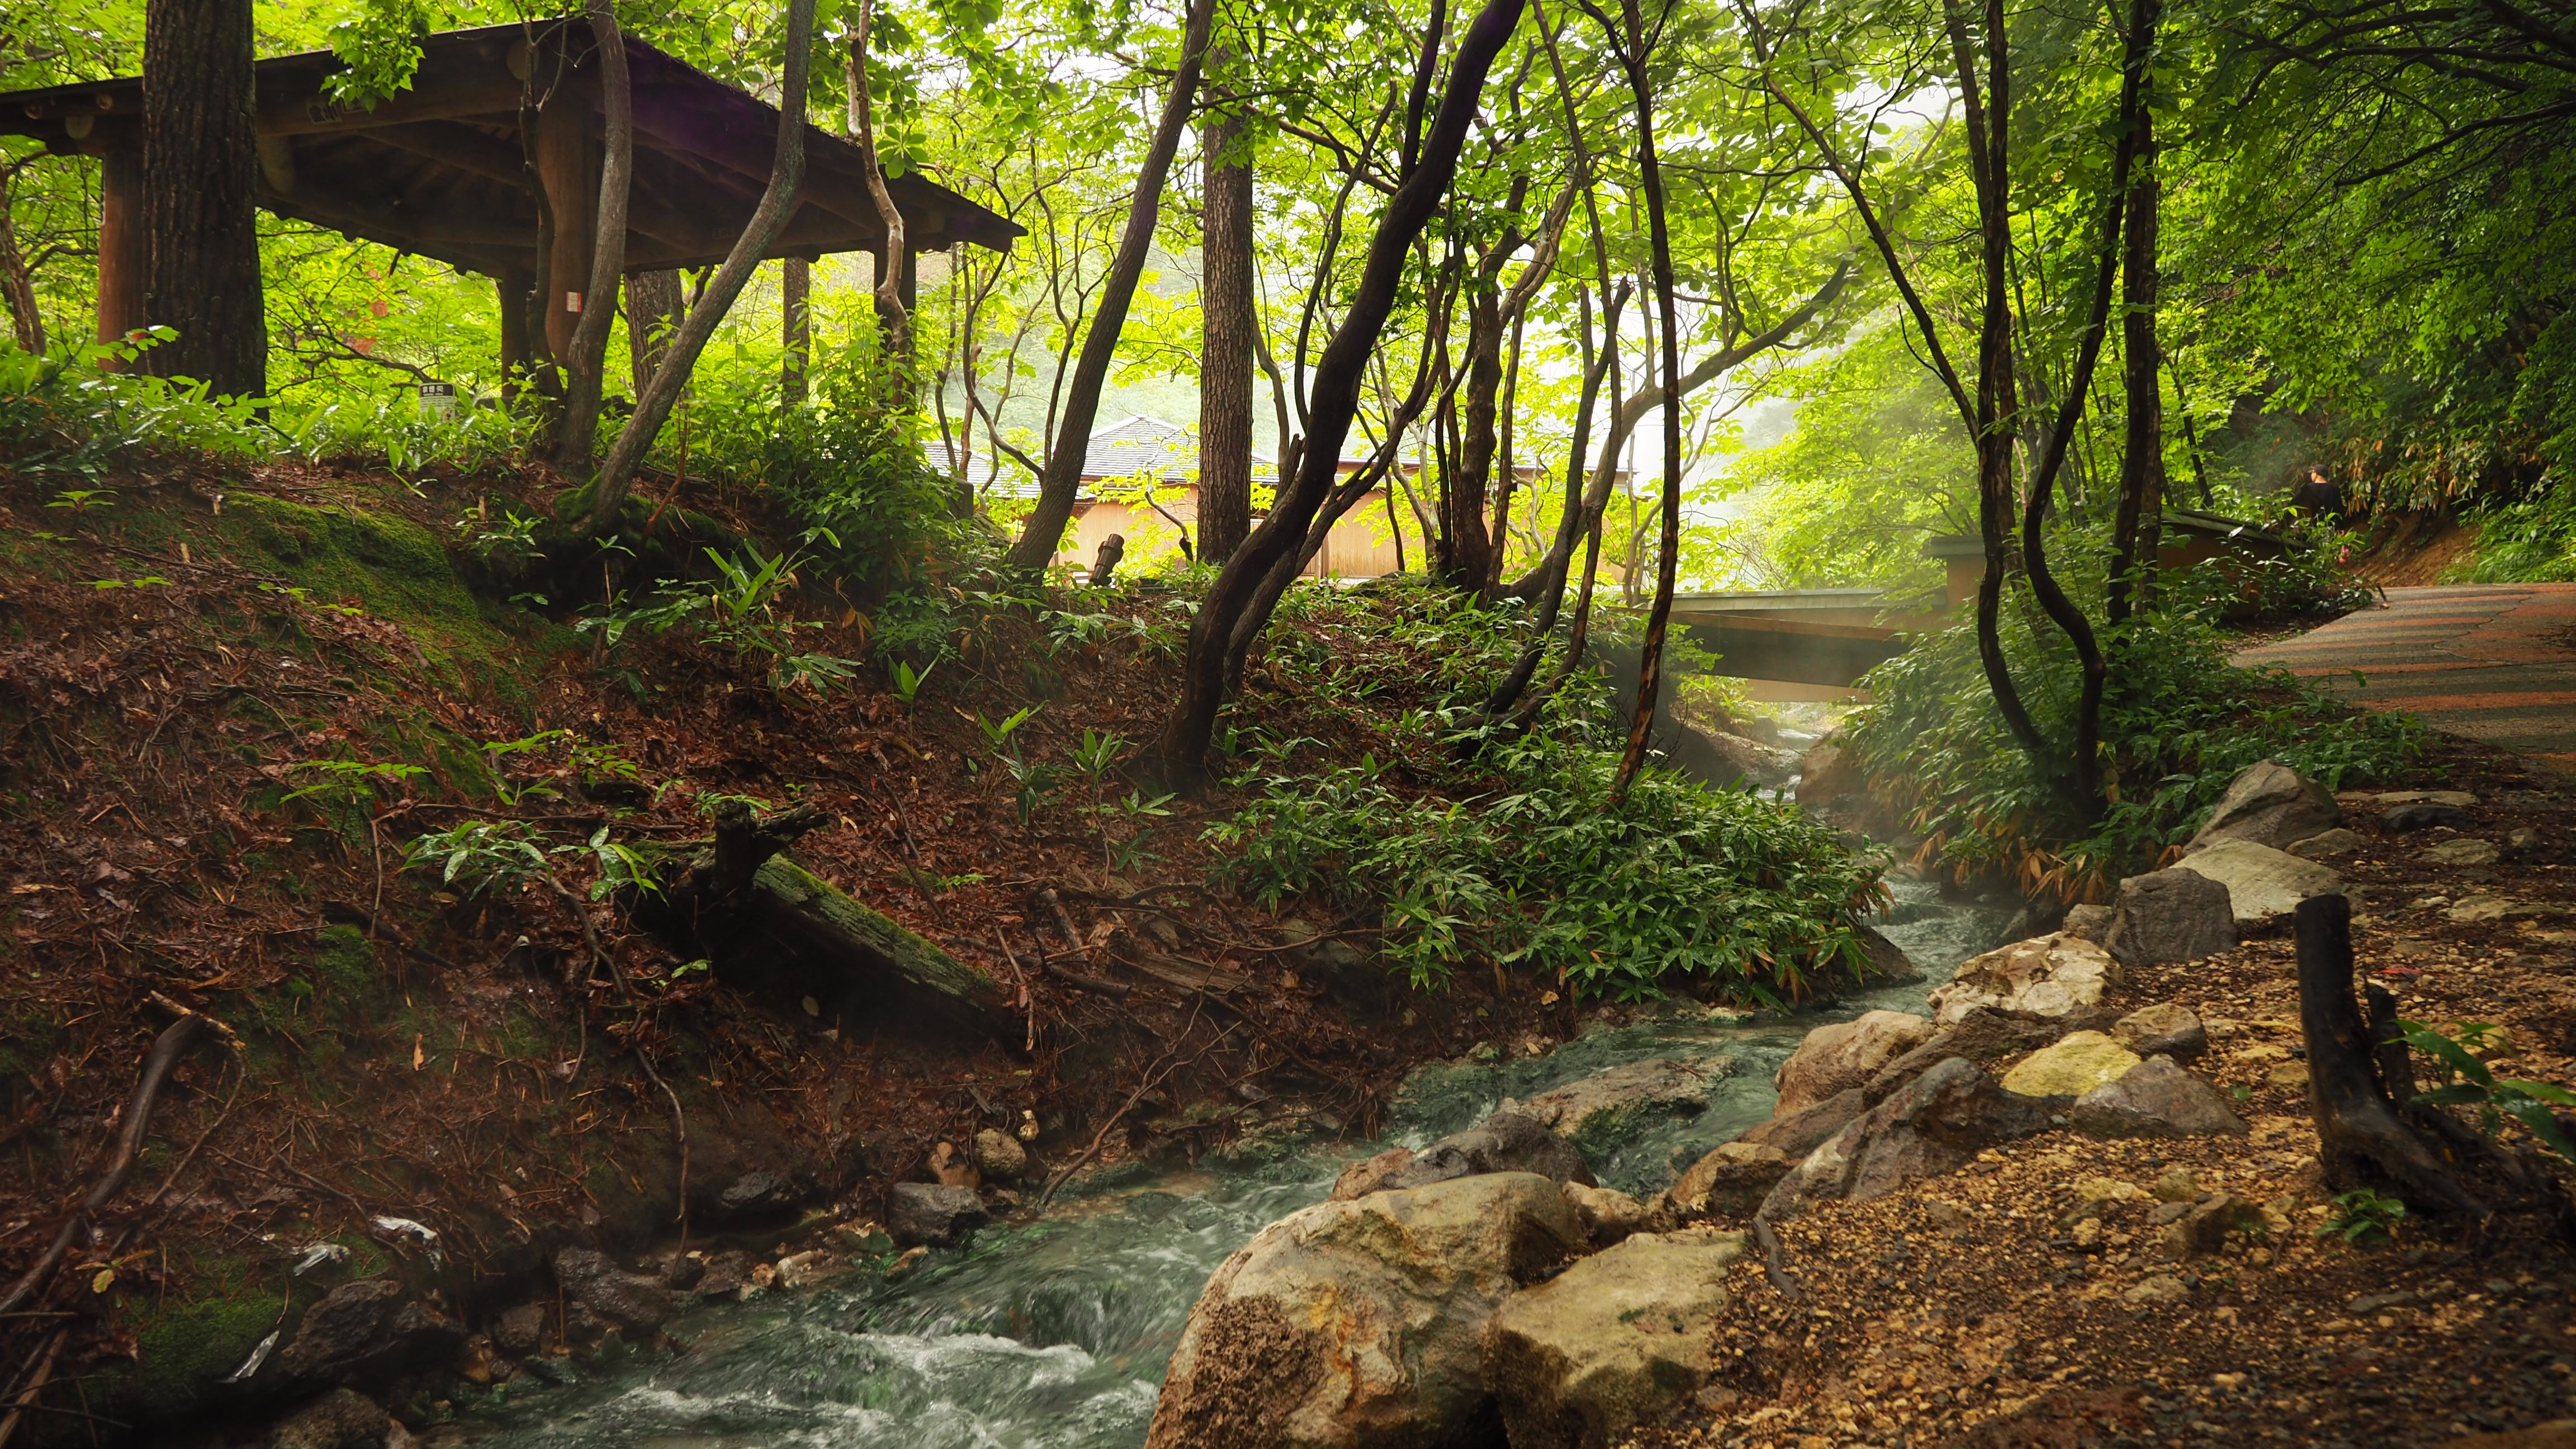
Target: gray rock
2425	815
1370	1174
1981	1035
1731	1181
1845	1054
1934	1124
2203	1230
2460	798
725	1273
1503	1142
1609	1215
1765	765
2269	804
1803	1132
632	1301
2155	1098
521	1331
1357	1325
340	1419
2164	1029
1888	963
754	1194
2261	882
362	1330
2087	923
1000	1155
2337	841
1621	1339
2463	850
2169	916
2522	840
1594	1110
2055	975
932	1213
1827	774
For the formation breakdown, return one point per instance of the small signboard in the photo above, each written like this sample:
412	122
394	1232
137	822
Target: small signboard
438	399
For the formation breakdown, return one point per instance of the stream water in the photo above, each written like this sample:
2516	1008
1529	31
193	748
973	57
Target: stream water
1054	1335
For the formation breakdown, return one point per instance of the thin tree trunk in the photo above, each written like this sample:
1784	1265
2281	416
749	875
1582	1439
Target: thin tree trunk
1506	468
16	284
795	328
1334	400
1578	517
786	174
652	310
1226	346
2136	526
588	365
1063	479
892	314
200	161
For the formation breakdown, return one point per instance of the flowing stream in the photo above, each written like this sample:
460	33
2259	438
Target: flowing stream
1054	1335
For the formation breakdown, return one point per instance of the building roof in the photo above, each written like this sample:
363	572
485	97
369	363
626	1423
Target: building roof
441	170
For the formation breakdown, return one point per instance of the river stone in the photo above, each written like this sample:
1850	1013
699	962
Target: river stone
2463	850
1800	1133
1503	1142
2270	804
1593	1110
2072	1067
1934	1124
1001	1156
630	1300
1609	1215
1620	1339
1981	1036
2155	1098
1828	773
2164	1029
2261	882
2168	917
364	1330
2087	923
1355	1325
1843	1055
2457	799
1370	1174
932	1213
2337	841
2052	975
2424	815
340	1419
1731	1181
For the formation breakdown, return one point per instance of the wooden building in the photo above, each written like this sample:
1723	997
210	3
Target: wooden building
490	163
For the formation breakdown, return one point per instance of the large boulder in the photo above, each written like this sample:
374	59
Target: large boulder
1766	765
1828	773
2155	1098
2167	917
1503	1142
632	1301
1595	1109
2261	882
1620	1339
365	1330
1981	1035
932	1214
2056	975
1731	1181
2071	1067
1936	1123
1844	1055
1799	1133
2270	804
1355	1325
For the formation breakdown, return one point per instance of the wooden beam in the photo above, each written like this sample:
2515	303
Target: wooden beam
568	168
124	249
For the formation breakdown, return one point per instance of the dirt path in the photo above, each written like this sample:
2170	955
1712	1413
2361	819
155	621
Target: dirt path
2492	662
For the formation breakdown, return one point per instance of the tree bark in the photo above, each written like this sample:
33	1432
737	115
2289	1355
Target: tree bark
795	328
894	263
1062	481
16	285
2136	525
200	162
786	174
1334	399
587	362
1226	345
652	310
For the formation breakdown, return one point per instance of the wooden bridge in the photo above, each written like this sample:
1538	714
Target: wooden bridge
1823	639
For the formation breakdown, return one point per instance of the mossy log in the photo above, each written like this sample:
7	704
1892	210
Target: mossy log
825	924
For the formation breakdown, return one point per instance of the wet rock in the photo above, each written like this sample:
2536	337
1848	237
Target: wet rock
1621	1339
2270	804
726	1272
2072	1067
1503	1142
1934	1124
2203	1230
2164	1029
1001	1156
2462	850
1356	1325
2261	882
684	1271
754	1195
2167	917
2337	841
1740	758
2424	815
363	1330
2087	923
340	1419
632	1301
1609	1215
1592	1111
1828	773
1845	1054
932	1213
1370	1174
1733	1180
521	1331
2154	1099
1800	1133
2044	976
951	1167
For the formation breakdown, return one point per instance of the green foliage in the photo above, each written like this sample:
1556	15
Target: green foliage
2459	1057
2310	579
745	608
487	854
2364	1217
379	48
2178	723
70	416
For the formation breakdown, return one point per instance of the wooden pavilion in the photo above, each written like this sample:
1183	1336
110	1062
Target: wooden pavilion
490	163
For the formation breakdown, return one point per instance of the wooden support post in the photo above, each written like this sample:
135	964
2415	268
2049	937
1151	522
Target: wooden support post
796	284
568	168
124	247
513	286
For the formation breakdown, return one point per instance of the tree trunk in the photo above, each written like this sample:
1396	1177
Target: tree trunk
795	328
1226	346
16	286
200	160
1333	401
2135	528
587	362
894	261
786	175
1650	658
1468	559
652	310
